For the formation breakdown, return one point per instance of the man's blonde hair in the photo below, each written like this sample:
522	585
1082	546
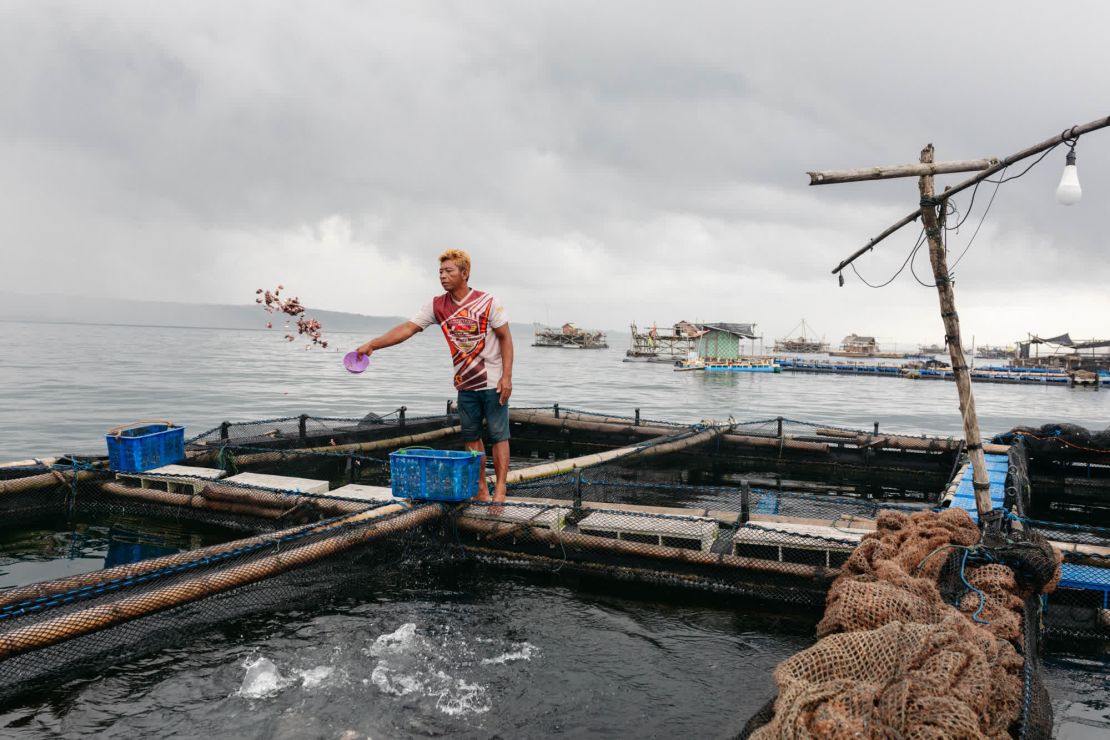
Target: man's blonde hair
459	257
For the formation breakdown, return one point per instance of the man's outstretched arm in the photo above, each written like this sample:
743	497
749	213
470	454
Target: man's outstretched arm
396	335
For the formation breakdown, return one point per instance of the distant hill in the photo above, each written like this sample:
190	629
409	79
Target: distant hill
84	310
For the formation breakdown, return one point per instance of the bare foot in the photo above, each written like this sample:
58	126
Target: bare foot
498	499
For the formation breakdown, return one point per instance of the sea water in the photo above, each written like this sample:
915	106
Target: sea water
481	653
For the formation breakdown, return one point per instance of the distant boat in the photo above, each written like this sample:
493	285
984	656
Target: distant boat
804	343
994	353
690	363
753	365
569	336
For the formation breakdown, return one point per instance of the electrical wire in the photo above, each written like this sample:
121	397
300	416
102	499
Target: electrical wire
920	241
983	218
1035	163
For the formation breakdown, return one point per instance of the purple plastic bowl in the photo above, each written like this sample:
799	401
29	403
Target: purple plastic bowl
355	363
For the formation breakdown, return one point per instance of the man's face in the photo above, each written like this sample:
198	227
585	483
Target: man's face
451	275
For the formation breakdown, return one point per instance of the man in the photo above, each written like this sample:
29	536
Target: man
477	331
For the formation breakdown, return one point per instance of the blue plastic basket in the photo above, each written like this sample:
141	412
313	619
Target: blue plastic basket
436	475
144	445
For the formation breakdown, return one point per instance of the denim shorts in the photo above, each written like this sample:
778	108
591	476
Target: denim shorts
476	405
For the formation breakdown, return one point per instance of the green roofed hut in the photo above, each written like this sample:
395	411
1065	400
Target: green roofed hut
720	349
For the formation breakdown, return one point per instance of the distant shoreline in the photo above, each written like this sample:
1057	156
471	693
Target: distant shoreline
145	326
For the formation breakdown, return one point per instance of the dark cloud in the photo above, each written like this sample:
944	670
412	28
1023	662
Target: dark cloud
603	162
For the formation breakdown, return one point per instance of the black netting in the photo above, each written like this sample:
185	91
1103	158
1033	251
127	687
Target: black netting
770	510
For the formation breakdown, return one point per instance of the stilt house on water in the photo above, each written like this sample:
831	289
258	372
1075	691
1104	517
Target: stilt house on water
1064	352
569	336
722	343
855	345
663	346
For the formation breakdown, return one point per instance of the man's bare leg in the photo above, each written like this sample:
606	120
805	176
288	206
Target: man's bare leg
500	469
483	489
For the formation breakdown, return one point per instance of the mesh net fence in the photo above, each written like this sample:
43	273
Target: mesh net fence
770	510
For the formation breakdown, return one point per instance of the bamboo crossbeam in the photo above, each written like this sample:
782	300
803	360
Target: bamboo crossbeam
43	480
565	466
131	570
380	444
192	501
101	616
1073	132
579	421
251	502
831	177
492	531
28	463
896	441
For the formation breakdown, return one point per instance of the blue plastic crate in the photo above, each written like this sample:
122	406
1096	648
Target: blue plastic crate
144	445
436	475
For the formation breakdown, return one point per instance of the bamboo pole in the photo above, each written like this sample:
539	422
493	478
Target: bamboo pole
939	261
620	572
43	480
830	177
1065	135
577	422
45	589
381	444
234	500
193	501
565	466
894	441
101	616
29	463
493	531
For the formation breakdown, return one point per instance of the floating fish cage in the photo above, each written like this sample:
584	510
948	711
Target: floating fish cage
772	510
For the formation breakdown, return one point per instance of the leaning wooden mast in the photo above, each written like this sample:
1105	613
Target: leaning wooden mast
931	212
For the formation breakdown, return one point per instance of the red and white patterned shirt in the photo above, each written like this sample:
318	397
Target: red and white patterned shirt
468	327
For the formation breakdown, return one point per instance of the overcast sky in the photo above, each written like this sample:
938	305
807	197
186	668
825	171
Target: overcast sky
602	162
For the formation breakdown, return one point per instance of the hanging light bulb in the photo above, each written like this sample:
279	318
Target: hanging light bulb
1068	191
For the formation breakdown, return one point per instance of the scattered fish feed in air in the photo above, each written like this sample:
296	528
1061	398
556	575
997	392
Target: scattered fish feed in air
272	301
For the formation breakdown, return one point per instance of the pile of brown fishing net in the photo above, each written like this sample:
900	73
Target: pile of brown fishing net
896	660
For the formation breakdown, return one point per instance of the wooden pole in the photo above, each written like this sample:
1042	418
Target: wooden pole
1065	135
939	261
831	177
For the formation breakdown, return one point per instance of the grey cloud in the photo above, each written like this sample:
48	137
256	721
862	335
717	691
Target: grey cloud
570	146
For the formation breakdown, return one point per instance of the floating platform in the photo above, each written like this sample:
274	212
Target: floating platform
1025	376
175	478
687	533
281	483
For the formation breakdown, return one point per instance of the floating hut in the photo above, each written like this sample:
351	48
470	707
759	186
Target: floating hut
721	348
667	346
1064	352
855	345
569	336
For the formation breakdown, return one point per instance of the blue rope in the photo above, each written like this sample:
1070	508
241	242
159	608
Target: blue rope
982	596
